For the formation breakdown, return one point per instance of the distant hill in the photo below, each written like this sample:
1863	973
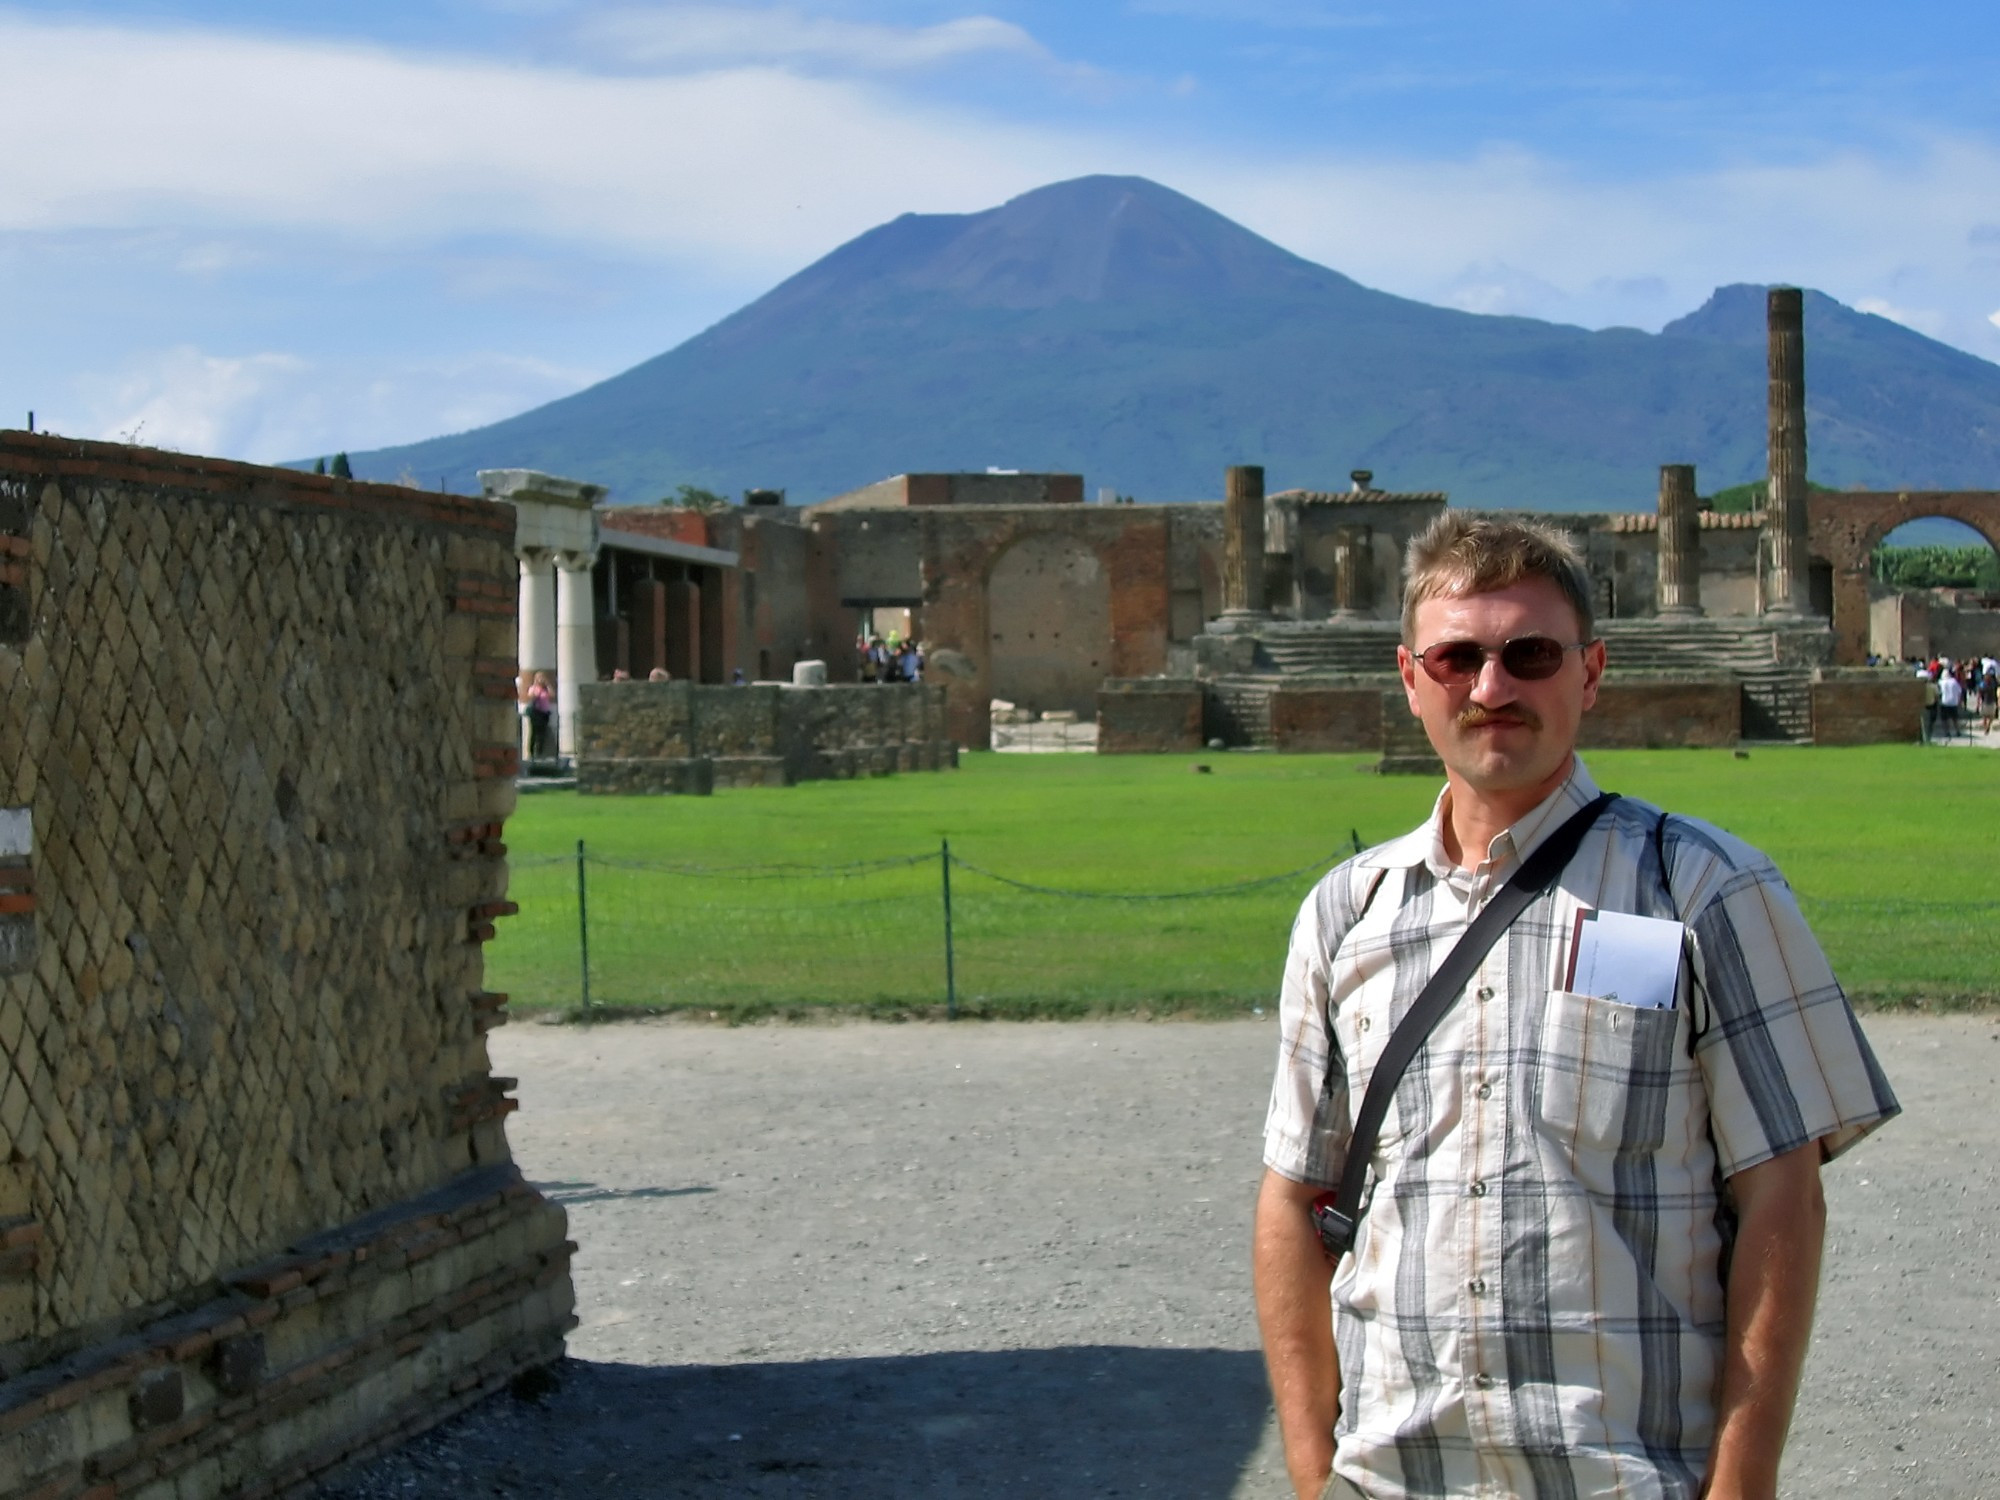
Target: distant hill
1112	327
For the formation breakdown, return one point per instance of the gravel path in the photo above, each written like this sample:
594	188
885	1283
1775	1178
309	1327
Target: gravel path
1010	1260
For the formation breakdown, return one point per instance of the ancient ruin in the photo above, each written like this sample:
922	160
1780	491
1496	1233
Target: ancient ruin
258	1214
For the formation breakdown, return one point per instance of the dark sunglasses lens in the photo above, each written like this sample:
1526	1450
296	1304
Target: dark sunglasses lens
1454	661
1532	657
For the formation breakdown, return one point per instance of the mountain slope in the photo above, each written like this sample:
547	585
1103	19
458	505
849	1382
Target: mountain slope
1113	327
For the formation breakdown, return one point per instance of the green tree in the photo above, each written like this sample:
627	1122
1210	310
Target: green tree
693	497
341	468
1937	567
319	466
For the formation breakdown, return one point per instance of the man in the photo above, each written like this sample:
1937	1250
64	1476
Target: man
1591	1247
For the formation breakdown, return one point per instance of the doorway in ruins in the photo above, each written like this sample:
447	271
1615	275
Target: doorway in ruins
1934	590
1048	613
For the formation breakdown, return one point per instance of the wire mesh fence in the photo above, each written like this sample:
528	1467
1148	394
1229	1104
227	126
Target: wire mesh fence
926	931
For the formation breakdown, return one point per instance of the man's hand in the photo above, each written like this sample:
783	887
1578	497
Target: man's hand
1295	1315
1773	1282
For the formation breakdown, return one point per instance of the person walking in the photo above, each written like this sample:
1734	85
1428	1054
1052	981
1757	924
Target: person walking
1581	1253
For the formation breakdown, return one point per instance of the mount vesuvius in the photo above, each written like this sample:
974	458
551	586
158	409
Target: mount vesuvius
1112	327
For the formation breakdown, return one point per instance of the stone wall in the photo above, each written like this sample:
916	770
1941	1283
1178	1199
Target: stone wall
1857	706
257	1209
686	738
1148	716
1640	713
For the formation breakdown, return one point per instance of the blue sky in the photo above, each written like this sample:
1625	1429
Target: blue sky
270	230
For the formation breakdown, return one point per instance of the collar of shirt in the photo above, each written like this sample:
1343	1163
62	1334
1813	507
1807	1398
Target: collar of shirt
1425	845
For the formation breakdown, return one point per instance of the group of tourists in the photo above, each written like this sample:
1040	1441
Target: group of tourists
890	658
1957	692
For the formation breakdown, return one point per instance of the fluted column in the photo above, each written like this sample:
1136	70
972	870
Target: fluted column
1243	547
1351	566
1787	590
1679	588
576	642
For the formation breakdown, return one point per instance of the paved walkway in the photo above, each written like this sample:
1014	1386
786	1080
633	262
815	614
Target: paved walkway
1011	1260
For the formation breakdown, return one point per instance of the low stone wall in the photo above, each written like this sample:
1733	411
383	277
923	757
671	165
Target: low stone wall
1148	716
686	738
1638	713
1862	707
257	742
1328	718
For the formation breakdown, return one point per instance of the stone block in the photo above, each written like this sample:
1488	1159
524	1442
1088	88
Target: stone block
1148	715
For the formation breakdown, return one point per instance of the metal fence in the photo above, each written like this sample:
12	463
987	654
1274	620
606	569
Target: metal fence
925	932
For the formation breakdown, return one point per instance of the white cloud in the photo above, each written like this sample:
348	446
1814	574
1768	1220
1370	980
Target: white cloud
270	407
710	35
1927	321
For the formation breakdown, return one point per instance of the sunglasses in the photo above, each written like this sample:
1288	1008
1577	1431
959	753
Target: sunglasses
1526	658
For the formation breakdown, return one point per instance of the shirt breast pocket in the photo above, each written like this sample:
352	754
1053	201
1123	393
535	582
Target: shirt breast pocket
1606	1072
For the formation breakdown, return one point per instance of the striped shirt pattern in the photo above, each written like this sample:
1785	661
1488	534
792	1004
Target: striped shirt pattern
1534	1303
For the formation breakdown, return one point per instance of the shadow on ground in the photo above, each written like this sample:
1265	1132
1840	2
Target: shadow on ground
1065	1424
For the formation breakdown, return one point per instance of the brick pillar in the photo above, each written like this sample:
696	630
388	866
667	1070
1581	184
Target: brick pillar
1243	548
1787	588
1680	544
1351	559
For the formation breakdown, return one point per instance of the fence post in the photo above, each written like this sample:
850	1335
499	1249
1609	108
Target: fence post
950	977
583	923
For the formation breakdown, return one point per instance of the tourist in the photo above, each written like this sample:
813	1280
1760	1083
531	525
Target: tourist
1951	698
1590	1257
910	665
538	705
1927	726
659	674
1989	694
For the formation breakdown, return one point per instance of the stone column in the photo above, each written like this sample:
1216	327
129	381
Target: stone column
1680	544
576	642
1788	590
1243	548
1352	559
538	610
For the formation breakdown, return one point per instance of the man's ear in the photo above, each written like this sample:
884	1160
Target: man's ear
1406	664
1593	672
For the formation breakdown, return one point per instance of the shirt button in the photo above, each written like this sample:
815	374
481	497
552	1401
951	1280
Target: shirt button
1483	1381
1363	1023
1486	992
1485	1091
1478	1286
1478	1190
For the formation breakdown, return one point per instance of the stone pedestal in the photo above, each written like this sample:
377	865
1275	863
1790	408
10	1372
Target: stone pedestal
1679	584
1787	586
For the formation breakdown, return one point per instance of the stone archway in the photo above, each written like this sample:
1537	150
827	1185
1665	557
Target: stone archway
1846	528
1048	623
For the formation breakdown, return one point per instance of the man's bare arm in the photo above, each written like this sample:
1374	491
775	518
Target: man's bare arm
1295	1316
1773	1282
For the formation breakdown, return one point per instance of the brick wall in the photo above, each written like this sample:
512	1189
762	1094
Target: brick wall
257	1208
679	737
1866	708
1640	713
1148	716
1327	718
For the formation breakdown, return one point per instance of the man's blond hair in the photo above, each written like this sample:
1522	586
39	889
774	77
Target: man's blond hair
1458	554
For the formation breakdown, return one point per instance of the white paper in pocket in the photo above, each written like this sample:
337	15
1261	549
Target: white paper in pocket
1633	960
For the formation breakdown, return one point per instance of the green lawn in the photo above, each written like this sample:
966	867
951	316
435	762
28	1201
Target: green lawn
830	894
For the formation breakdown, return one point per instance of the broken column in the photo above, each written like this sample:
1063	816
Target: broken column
555	528
1787	586
1243	547
1680	543
1351	556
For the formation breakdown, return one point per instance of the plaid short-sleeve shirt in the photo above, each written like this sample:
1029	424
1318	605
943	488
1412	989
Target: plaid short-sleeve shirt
1534	1303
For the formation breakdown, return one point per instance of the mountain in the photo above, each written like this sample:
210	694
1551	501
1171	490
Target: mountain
1112	327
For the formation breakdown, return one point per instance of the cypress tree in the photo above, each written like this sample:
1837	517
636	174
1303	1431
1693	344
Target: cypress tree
340	467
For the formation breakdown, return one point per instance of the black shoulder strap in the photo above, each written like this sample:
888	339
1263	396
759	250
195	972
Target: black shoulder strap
1337	1220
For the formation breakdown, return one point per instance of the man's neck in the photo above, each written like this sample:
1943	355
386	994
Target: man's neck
1473	819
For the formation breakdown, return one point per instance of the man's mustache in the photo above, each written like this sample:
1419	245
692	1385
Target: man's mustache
1472	716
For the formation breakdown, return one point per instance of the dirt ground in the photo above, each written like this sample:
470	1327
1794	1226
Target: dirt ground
1010	1260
